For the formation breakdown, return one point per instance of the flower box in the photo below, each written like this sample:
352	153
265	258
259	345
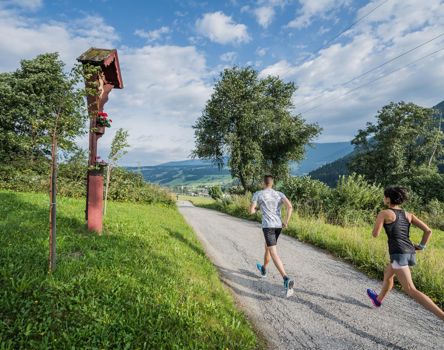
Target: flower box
100	130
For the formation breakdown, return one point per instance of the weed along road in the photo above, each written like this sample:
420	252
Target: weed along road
330	308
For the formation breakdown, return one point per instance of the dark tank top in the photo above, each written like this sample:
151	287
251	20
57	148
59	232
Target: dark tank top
398	233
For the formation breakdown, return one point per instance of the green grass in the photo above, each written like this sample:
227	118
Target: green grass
197	200
145	284
357	246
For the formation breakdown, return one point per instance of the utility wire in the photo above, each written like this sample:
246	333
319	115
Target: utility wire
375	68
374	80
350	26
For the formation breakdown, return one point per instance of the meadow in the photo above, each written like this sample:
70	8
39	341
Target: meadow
354	244
144	284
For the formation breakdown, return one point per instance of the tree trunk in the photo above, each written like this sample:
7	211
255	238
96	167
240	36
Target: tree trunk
53	207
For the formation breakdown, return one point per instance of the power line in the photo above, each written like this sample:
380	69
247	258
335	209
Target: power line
375	68
374	80
350	26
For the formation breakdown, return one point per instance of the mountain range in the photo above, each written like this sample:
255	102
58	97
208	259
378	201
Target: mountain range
196	172
323	161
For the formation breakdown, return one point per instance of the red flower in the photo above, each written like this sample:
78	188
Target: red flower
111	120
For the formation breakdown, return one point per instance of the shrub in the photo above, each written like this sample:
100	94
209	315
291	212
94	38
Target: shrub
308	196
125	186
354	201
215	192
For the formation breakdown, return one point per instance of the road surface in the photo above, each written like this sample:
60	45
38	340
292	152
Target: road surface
330	308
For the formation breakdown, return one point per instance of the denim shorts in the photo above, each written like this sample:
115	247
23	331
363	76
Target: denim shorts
404	260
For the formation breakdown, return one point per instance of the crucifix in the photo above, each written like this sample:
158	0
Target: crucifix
107	78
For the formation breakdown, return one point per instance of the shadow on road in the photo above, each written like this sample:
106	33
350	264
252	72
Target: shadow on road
261	289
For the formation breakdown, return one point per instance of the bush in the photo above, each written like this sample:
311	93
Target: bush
354	201
309	196
433	214
215	192
125	186
428	184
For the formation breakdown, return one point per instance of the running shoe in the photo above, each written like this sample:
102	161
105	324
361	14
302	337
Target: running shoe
288	286
373	297
261	269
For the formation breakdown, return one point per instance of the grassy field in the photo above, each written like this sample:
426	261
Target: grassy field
357	246
144	284
197	200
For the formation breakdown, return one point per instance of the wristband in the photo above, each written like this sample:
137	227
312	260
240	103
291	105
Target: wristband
422	246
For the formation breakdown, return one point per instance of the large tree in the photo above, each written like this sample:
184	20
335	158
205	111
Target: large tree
248	121
404	139
36	98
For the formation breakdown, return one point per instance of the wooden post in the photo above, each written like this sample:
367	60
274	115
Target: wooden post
53	207
109	77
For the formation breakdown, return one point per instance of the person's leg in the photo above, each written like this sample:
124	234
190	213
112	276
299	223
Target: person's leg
277	260
405	278
267	256
387	285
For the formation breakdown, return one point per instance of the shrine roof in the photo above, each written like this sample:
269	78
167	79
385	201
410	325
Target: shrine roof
95	55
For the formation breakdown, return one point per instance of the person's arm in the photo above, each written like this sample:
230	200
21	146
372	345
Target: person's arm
289	211
378	224
253	206
426	235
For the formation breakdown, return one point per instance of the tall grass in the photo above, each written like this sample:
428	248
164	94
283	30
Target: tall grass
145	284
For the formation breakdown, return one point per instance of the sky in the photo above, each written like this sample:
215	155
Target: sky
172	51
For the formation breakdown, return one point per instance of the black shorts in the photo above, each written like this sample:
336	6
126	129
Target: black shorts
271	235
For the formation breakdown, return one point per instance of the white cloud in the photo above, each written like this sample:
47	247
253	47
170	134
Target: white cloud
153	35
385	34
261	51
264	15
30	5
222	29
229	57
165	86
283	69
26	38
311	9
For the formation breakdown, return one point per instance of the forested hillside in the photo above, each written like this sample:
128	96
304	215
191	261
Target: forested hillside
202	172
330	172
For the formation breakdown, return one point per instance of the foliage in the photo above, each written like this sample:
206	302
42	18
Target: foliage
119	146
215	192
309	196
354	201
145	284
427	183
404	138
249	120
127	186
31	100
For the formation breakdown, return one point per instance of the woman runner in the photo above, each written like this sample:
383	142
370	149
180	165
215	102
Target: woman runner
396	223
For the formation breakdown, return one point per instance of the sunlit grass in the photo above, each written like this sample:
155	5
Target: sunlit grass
145	284
196	200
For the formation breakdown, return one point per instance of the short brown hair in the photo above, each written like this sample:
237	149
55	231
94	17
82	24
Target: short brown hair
268	179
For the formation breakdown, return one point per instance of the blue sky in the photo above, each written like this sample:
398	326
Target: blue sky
171	51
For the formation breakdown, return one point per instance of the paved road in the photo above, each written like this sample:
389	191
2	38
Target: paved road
329	309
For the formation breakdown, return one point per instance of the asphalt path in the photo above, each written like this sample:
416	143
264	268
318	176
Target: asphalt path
329	309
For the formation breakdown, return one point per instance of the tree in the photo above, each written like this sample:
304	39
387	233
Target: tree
215	192
118	149
33	99
404	138
249	120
